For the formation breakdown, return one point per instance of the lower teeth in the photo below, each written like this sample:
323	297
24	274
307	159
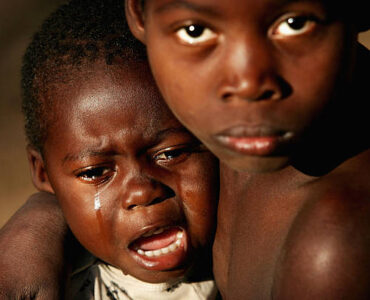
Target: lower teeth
165	250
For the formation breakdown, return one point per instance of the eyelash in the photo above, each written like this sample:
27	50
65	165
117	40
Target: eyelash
305	24
176	155
95	174
170	156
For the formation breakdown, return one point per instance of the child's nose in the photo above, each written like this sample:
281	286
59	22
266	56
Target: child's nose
143	191
248	72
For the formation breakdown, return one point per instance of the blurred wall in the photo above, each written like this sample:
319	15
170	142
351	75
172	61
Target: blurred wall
18	20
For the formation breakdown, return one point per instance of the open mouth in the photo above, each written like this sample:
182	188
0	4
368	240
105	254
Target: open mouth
160	249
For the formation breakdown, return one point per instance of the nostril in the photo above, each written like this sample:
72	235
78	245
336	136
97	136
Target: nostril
266	95
227	96
157	196
269	88
167	193
153	202
170	193
157	200
131	206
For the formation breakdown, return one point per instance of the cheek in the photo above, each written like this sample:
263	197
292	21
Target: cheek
77	203
200	197
322	67
316	78
91	227
81	216
313	92
184	102
176	82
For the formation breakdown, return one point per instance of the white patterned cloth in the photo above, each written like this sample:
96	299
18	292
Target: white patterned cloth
101	281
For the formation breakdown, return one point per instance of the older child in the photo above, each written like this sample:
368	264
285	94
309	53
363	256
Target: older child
274	86
277	89
136	188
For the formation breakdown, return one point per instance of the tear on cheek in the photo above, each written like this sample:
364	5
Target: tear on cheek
97	204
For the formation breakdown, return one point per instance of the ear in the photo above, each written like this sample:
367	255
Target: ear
38	172
135	18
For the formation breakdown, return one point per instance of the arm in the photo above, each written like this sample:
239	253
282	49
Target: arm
32	251
327	251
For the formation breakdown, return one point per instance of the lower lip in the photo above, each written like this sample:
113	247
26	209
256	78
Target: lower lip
163	262
258	146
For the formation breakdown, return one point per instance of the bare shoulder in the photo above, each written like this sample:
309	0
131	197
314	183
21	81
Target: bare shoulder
327	252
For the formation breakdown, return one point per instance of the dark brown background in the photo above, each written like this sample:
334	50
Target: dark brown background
18	20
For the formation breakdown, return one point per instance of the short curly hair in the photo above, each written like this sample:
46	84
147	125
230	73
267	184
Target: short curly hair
79	32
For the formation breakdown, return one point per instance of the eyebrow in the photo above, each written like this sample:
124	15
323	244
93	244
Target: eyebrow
168	131
86	153
95	152
183	4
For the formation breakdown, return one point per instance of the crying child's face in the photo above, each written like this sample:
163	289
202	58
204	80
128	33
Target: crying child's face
136	188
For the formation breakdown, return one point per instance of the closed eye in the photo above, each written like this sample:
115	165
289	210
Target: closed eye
175	155
172	155
95	174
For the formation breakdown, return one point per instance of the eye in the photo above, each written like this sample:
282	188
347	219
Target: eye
177	154
294	26
172	156
195	34
95	175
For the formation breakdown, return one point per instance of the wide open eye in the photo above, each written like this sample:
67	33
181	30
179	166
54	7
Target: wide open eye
294	26
195	34
95	174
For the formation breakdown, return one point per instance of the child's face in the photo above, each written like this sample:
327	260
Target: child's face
247	77
115	145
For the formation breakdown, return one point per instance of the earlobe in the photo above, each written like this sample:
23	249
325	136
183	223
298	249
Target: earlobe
135	19
38	173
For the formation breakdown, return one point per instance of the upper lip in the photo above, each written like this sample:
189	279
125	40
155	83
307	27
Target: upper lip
152	228
251	131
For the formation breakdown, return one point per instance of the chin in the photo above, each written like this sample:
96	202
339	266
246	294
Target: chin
160	276
256	164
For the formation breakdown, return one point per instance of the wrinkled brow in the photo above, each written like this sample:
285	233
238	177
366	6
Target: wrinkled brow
85	154
168	131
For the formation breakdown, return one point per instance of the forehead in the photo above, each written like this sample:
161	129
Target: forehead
116	91
219	8
105	107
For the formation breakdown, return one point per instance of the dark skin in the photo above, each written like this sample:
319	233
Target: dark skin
306	239
299	231
174	169
276	90
38	223
114	138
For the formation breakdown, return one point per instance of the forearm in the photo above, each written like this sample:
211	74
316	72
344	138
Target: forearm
32	249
